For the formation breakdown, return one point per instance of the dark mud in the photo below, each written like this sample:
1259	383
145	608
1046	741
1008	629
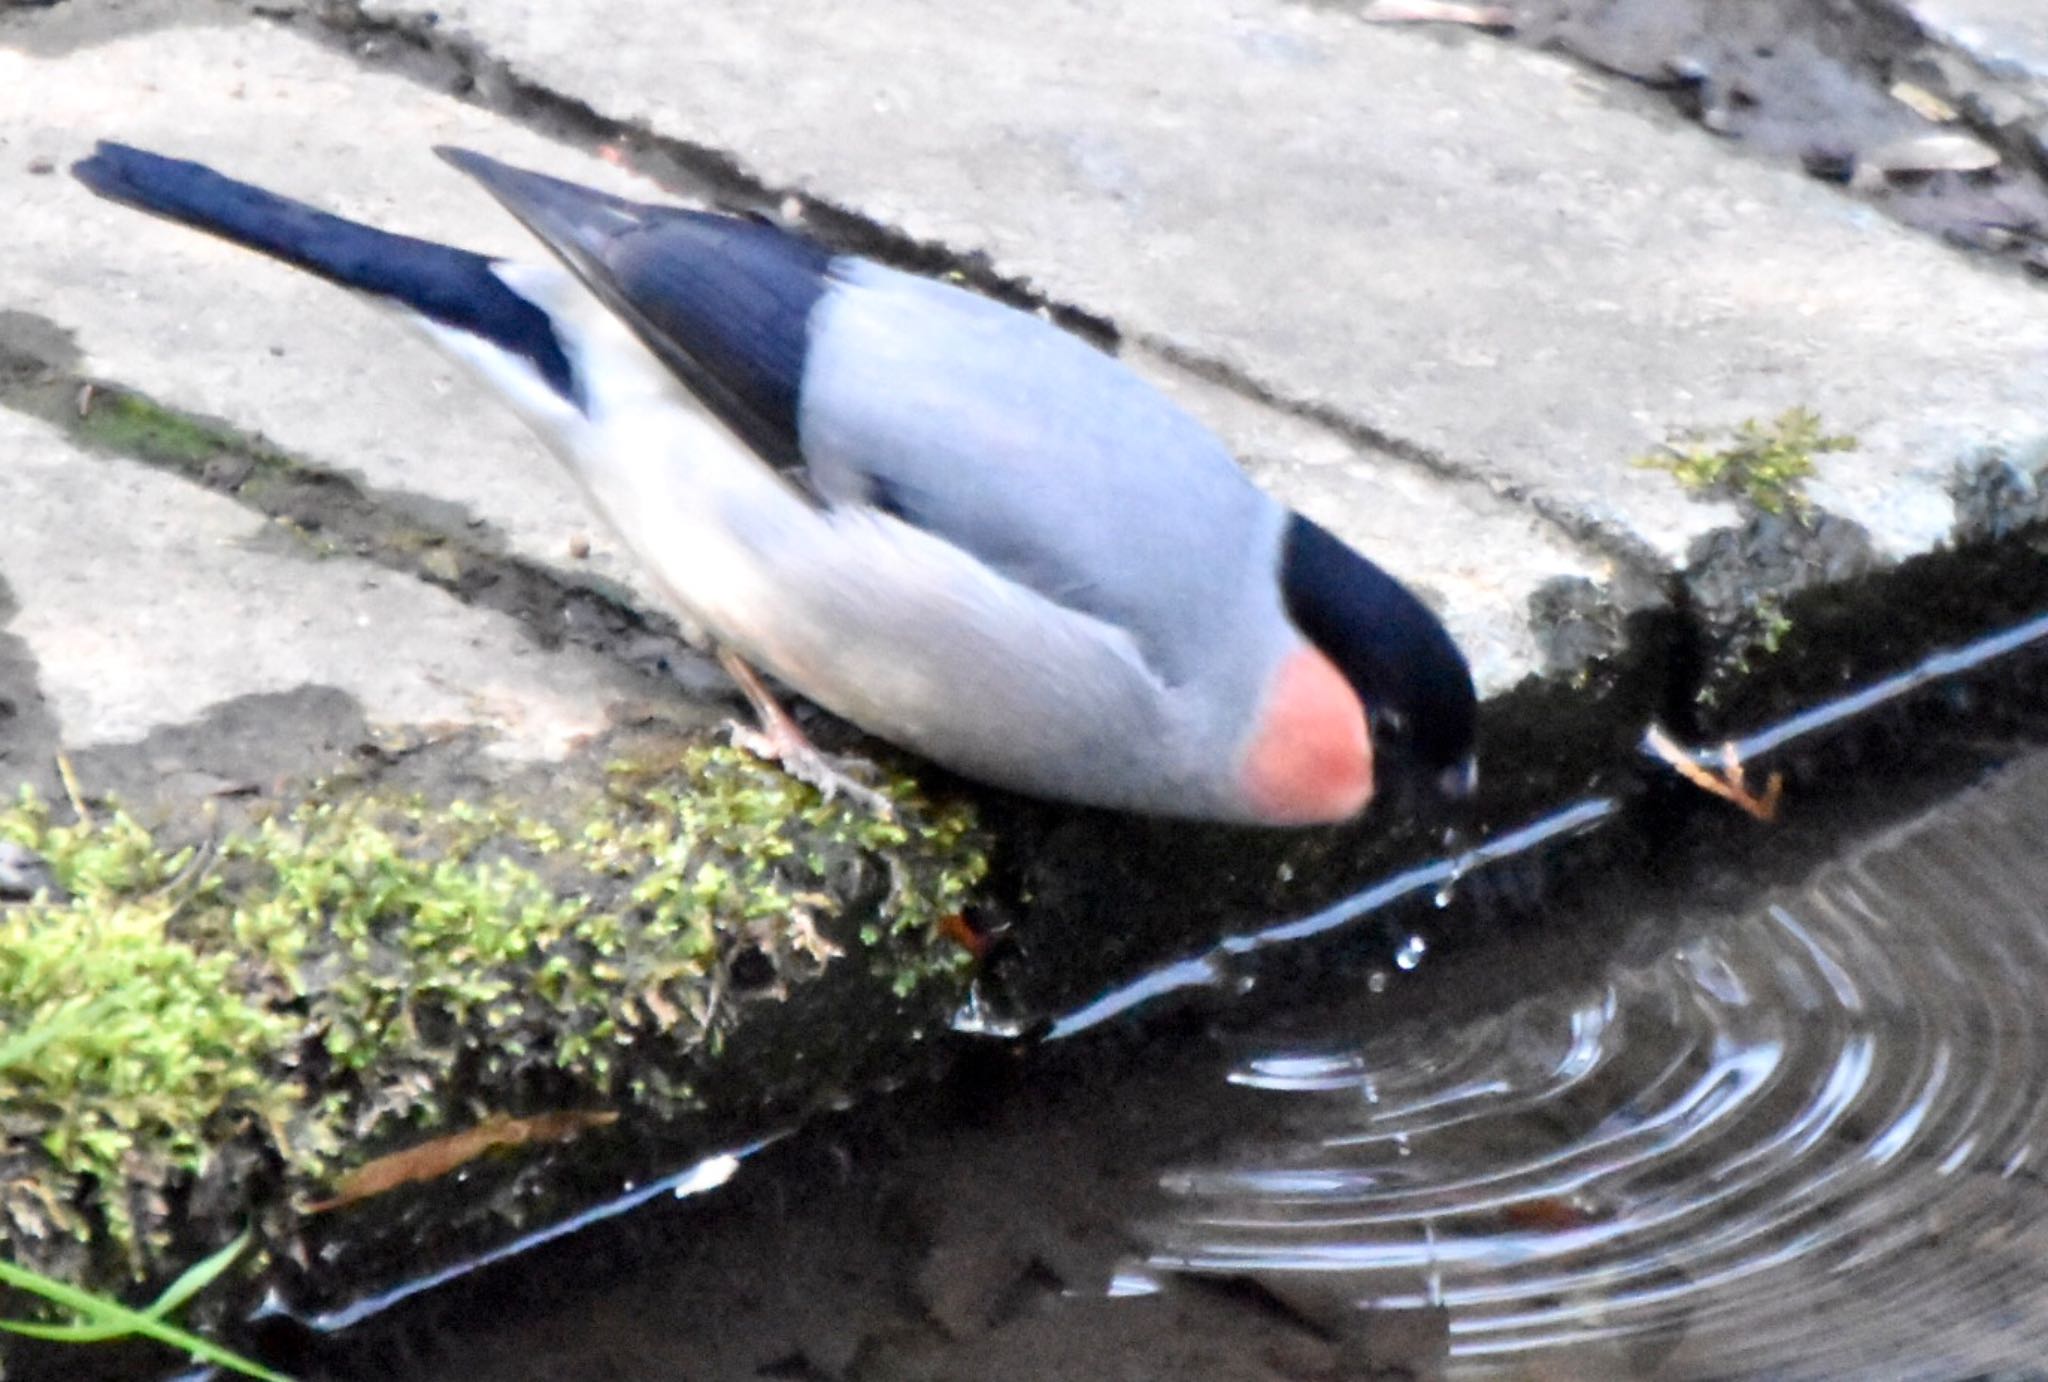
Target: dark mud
1848	90
28	731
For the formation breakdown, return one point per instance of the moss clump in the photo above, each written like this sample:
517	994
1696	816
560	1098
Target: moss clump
129	424
1755	633
747	841
1766	465
367	967
129	1052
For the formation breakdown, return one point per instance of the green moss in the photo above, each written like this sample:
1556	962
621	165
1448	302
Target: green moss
1773	624
130	1051
1766	465
366	966
131	425
1755	633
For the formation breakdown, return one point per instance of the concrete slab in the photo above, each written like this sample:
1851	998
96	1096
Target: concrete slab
206	327
202	325
272	350
145	601
1463	247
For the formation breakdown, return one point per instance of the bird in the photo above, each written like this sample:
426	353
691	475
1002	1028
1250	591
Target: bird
947	520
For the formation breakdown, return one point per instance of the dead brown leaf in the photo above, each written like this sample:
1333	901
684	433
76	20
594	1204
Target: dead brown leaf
438	1156
1924	103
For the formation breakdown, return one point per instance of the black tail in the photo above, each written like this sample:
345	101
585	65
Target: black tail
453	287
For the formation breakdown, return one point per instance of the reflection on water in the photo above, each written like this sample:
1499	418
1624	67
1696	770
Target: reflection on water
1805	1141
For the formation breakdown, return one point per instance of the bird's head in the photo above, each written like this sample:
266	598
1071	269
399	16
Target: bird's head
1381	694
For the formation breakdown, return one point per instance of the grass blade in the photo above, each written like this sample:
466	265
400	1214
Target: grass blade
98	1311
190	1283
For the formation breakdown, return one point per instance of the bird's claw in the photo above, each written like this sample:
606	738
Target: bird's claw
806	762
780	739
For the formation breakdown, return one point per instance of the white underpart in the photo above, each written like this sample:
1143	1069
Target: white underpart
652	459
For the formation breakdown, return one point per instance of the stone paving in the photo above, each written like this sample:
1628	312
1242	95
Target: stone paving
1442	292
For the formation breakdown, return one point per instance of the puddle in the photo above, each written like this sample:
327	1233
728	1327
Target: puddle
1806	1139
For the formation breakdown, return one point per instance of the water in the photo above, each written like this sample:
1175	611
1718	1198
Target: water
1774	1107
1804	1140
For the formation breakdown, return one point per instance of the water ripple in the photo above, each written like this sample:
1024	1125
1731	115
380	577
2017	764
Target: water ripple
1803	1143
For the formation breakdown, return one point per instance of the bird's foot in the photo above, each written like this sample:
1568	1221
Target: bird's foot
806	762
780	739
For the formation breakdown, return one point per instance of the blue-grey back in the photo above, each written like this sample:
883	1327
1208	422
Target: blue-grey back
1043	457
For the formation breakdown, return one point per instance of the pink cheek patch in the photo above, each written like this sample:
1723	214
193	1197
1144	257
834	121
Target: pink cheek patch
1310	759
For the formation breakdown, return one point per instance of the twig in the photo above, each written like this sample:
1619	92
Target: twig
1731	784
69	776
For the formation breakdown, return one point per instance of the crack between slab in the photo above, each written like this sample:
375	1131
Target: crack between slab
2010	137
332	514
2022	250
1954	39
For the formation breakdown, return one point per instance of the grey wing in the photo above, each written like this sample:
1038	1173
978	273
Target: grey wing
1045	458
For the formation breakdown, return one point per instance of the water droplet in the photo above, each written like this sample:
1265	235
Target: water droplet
1411	952
1376	982
1459	864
